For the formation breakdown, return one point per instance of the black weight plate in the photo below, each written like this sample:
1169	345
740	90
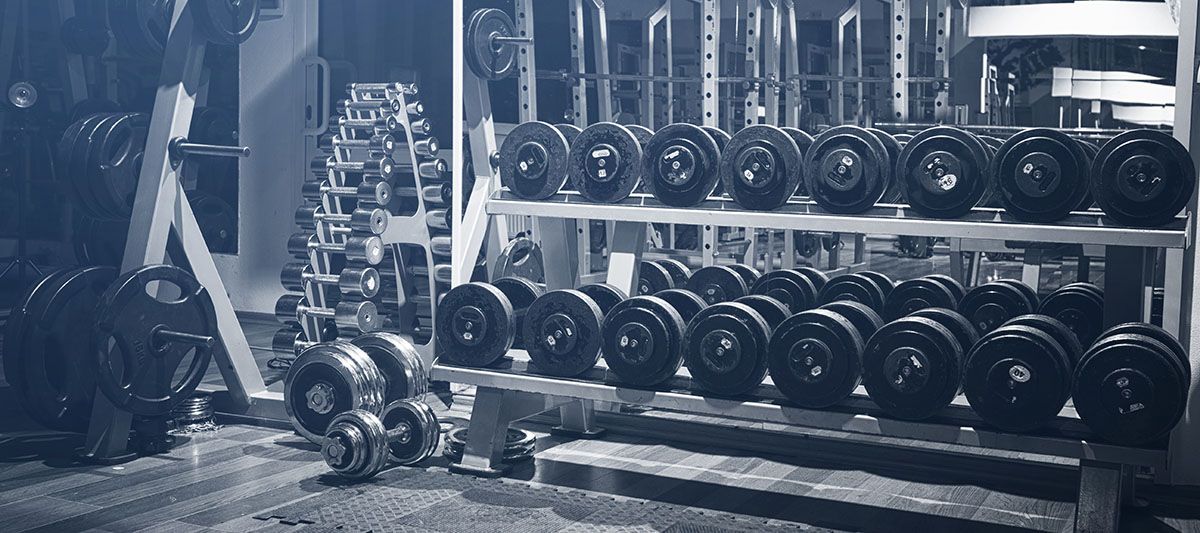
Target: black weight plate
761	167
789	287
1031	295
642	133
476	325
943	172
685	302
1143	178
521	293
533	160
1055	328
487	59
1092	151
562	333
680	273
725	349
1016	378
773	311
116	161
224	22
72	159
14	327
643	338
882	280
99	242
1089	287
817	277
716	284
1041	175
989	305
140	26
718	136
815	358
1128	391
962	329
569	131
866	321
912	368
804	141
681	165
854	287
134	368
748	273
606	296
915	294
846	169
217	221
892	195
605	162
903	138
955	287
652	278
1157	333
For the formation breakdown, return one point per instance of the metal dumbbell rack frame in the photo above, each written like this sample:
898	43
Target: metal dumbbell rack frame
403	230
161	212
507	393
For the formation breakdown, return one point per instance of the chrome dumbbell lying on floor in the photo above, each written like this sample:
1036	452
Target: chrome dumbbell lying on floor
359	444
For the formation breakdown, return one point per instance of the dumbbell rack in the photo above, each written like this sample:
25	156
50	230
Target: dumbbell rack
506	392
416	238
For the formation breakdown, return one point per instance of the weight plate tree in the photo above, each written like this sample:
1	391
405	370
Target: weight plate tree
847	170
943	172
1143	178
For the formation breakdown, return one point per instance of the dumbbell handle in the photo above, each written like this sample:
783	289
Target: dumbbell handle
180	148
384	166
406	88
383	142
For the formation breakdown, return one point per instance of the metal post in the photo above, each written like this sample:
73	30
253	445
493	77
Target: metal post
899	57
941	101
604	101
752	10
526	62
791	53
770	63
710	60
468	236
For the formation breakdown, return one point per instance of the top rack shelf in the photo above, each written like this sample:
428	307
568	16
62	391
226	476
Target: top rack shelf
1088	227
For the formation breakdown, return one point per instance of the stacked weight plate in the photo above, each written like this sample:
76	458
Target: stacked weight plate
382	161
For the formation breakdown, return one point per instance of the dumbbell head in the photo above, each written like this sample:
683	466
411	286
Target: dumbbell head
355	445
363	282
288	340
363	315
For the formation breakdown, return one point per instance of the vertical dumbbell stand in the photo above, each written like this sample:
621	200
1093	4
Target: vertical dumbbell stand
161	212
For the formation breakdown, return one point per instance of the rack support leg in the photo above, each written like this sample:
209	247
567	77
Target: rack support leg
493	411
578	420
1100	496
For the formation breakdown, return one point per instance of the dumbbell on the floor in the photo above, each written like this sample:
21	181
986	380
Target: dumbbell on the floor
361	282
369	248
362	316
385	143
378	192
371	220
358	444
383	166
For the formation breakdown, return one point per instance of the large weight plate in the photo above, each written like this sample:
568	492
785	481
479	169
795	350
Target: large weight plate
681	163
815	358
955	287
761	167
99	242
1030	293
533	160
748	273
1017	378
398	362
1128	390
804	142
653	278
882	280
773	311
476	325
487	59
217	221
1055	328
521	293
325	380
722	139
912	368
1143	178
962	329
72	158
642	133
892	194
115	162
643	337
866	321
989	305
569	131
1041	175
789	287
943	172
716	284
915	294
680	273
817	277
562	333
13	350
605	163
521	257
846	170
685	302
725	349
141	26
225	22
606	296
854	287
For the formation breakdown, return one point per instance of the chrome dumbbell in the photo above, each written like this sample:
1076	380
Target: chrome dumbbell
421	126
358	444
378	192
381	166
434	169
427	147
362	248
377	143
360	315
373	220
387	124
359	282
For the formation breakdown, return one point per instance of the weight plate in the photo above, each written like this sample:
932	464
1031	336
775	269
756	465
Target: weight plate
749	274
817	277
217	221
773	311
789	287
880	279
606	296
1041	175
141	26
398	362
1092	151
846	170
652	278
955	287
1128	391
521	257
642	133
1157	333
1016	378
225	22
115	162
1030	294
761	167
643	338
854	287
892	194
943	172
962	329
1059	331
99	242
725	349
914	294
521	293
569	131
605	163
680	273
866	321
1089	287
989	305
13	350
815	358
722	139
912	368
354	444
803	141
476	325
418	435
1143	178
562	333
718	284
486	58
685	302
137	368
72	154
681	165
903	138
533	160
